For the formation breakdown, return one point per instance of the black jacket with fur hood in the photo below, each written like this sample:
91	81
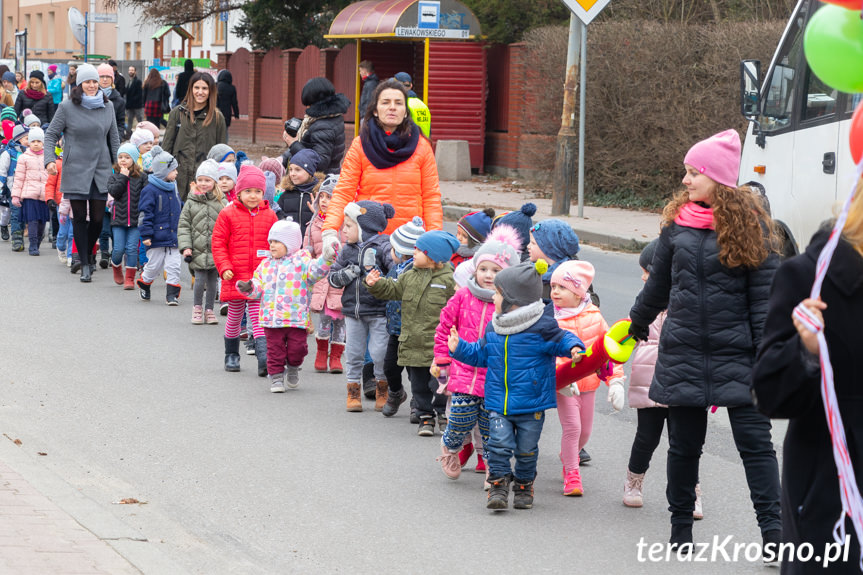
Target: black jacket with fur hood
323	128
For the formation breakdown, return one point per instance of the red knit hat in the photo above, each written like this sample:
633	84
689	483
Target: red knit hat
250	177
717	157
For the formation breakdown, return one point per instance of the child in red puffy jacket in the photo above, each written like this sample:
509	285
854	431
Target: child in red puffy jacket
239	244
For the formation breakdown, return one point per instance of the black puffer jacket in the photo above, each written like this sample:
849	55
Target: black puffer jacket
126	192
43	108
325	132
119	110
356	300
295	201
715	320
226	101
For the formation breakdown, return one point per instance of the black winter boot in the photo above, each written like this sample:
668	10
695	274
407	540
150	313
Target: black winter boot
522	497
498	494
86	274
232	354
143	288
261	353
18	241
104	260
4	233
76	263
172	296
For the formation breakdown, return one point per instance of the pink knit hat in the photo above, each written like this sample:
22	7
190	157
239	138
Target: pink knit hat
574	275
105	70
717	157
250	177
273	165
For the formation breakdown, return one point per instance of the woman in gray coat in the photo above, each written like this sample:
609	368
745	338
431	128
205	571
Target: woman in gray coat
87	123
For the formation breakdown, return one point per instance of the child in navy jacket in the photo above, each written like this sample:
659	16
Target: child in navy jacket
519	349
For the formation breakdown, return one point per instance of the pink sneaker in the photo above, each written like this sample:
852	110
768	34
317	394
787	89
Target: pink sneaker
449	462
572	483
210	317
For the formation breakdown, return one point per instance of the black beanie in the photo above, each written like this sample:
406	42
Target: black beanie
646	258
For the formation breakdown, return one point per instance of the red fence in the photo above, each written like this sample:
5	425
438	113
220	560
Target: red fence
477	93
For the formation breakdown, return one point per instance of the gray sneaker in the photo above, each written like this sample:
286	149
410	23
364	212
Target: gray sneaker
293	377
250	345
277	383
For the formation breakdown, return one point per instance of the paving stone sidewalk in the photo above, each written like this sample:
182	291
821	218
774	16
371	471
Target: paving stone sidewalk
38	538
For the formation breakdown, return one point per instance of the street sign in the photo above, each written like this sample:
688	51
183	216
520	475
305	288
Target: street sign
223	16
428	14
404	32
103	18
586	10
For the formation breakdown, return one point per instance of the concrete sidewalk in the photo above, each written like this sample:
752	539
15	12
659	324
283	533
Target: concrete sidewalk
612	227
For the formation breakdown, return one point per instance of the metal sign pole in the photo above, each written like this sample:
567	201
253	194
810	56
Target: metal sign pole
581	106
86	35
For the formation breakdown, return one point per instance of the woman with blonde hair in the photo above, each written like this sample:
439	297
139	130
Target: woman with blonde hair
712	271
786	384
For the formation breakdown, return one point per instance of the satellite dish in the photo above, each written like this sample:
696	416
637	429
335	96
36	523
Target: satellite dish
78	25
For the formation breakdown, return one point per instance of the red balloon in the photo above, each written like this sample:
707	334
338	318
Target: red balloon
849	4
856	135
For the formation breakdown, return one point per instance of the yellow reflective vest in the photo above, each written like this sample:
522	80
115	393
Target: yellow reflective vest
421	115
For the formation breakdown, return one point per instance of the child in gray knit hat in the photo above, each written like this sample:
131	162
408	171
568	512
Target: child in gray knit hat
519	353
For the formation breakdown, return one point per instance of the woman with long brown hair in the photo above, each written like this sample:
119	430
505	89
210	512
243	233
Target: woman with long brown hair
195	126
712	271
157	97
786	383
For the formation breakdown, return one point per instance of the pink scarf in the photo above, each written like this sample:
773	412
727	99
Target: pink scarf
692	215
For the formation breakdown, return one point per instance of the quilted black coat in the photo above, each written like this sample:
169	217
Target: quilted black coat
326	132
715	319
126	192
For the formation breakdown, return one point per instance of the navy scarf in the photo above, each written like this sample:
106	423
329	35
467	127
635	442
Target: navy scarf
385	151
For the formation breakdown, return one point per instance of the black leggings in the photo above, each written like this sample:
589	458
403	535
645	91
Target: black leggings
651	420
392	369
87	233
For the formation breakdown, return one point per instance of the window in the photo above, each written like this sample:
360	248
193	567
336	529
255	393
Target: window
127	50
196	29
37	34
137	50
50	33
779	98
820	98
219	31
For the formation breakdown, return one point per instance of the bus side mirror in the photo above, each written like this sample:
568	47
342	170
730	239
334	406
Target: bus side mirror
750	86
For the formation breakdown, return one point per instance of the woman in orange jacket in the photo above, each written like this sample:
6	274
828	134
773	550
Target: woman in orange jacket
390	162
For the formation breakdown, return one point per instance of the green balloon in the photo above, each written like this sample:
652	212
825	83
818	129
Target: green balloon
833	45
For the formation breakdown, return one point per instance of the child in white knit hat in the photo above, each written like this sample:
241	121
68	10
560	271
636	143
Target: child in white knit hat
283	283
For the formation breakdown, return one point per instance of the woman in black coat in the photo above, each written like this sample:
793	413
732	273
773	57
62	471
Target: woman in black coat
323	128
36	98
106	84
786	384
712	271
226	100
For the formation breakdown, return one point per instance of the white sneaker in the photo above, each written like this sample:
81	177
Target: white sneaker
69	262
293	377
277	384
698	512
61	255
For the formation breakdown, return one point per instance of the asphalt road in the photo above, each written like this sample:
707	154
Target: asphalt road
128	399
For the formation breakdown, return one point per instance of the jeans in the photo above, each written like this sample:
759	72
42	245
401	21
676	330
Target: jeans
64	234
651	420
367	328
423	387
516	435
125	241
687	428
105	236
15	224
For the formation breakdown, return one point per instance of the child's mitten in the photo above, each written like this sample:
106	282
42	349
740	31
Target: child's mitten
245	287
615	394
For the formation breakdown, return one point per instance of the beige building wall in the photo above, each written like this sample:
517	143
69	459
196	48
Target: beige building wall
49	36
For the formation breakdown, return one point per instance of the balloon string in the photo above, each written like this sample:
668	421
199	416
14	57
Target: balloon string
852	502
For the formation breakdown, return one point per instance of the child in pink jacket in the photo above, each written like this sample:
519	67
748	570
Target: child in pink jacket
651	415
28	190
470	310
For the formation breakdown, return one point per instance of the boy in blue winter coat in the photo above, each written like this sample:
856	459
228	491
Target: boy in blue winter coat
159	217
519	349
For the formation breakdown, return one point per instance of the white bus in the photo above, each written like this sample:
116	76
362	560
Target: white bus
796	145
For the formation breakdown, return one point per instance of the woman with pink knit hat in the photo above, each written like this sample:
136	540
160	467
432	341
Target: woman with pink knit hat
106	84
712	270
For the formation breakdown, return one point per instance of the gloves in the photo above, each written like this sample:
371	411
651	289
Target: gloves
52	204
615	394
570	390
442	380
639	332
245	287
345	276
330	239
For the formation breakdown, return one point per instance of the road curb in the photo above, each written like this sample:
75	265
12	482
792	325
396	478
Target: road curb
629	244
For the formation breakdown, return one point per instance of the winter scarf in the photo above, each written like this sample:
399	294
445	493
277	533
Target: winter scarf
467	252
93	102
34	94
694	215
479	293
107	92
518	320
162	184
567	312
387	150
